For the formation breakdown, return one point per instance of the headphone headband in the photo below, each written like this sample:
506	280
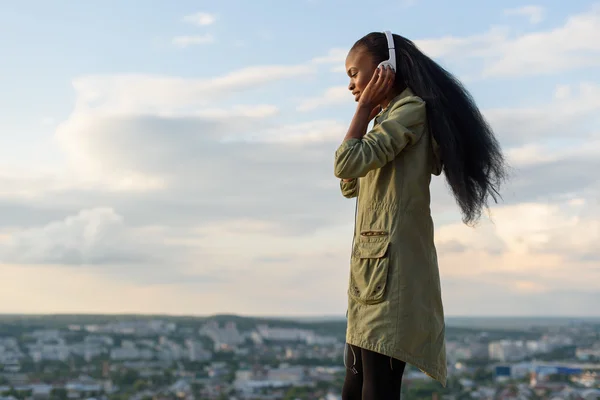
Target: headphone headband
391	61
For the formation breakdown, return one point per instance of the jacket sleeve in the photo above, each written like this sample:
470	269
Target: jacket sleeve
349	189
354	158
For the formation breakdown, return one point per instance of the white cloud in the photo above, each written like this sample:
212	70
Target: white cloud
528	228
200	18
331	96
259	75
217	150
248	111
90	237
145	134
562	92
536	154
19	184
334	56
155	94
104	103
570	46
535	251
527	254
48	121
236	193
522	130
473	46
502	52
534	13
186	41
570	109
320	131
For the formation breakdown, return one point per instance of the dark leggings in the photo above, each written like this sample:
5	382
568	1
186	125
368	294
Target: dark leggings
371	376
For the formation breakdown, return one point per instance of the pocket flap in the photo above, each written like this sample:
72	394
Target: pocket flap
375	249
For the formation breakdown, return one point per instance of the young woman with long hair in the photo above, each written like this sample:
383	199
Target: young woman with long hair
425	123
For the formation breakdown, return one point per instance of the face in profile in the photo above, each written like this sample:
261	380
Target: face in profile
360	67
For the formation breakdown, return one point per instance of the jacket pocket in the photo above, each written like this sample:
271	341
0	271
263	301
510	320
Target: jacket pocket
369	271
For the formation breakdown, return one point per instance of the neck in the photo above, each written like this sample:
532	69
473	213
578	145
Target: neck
385	103
393	94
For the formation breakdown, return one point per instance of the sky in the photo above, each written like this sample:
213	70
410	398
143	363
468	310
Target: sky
177	157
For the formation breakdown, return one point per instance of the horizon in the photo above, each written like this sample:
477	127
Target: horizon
290	316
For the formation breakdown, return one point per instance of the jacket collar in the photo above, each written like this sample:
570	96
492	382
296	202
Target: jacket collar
405	93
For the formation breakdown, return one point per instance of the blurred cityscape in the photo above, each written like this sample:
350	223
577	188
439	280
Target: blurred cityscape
232	357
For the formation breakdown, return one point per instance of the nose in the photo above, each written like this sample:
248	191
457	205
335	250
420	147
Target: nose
351	86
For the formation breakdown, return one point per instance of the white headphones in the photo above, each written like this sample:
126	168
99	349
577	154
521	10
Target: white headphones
391	61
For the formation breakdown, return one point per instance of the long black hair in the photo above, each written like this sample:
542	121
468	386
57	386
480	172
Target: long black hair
473	162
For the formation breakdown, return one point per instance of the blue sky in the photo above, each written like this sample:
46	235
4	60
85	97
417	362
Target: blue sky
169	157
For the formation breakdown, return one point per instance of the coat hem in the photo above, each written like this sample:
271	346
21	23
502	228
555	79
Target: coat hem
432	372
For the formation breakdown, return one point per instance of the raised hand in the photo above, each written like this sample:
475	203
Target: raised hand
378	88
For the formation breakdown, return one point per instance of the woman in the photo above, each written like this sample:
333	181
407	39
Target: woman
425	123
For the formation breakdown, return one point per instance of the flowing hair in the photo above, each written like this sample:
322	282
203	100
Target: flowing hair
474	165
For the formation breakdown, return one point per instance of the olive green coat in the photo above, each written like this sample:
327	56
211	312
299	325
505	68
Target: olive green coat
394	296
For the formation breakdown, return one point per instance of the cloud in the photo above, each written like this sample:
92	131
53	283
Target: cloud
531	228
534	13
167	95
217	168
531	251
301	134
156	137
95	236
334	56
237	111
332	96
100	240
572	107
200	19
556	50
188	190
48	121
503	52
114	114
17	184
186	41
508	270
220	168
473	46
